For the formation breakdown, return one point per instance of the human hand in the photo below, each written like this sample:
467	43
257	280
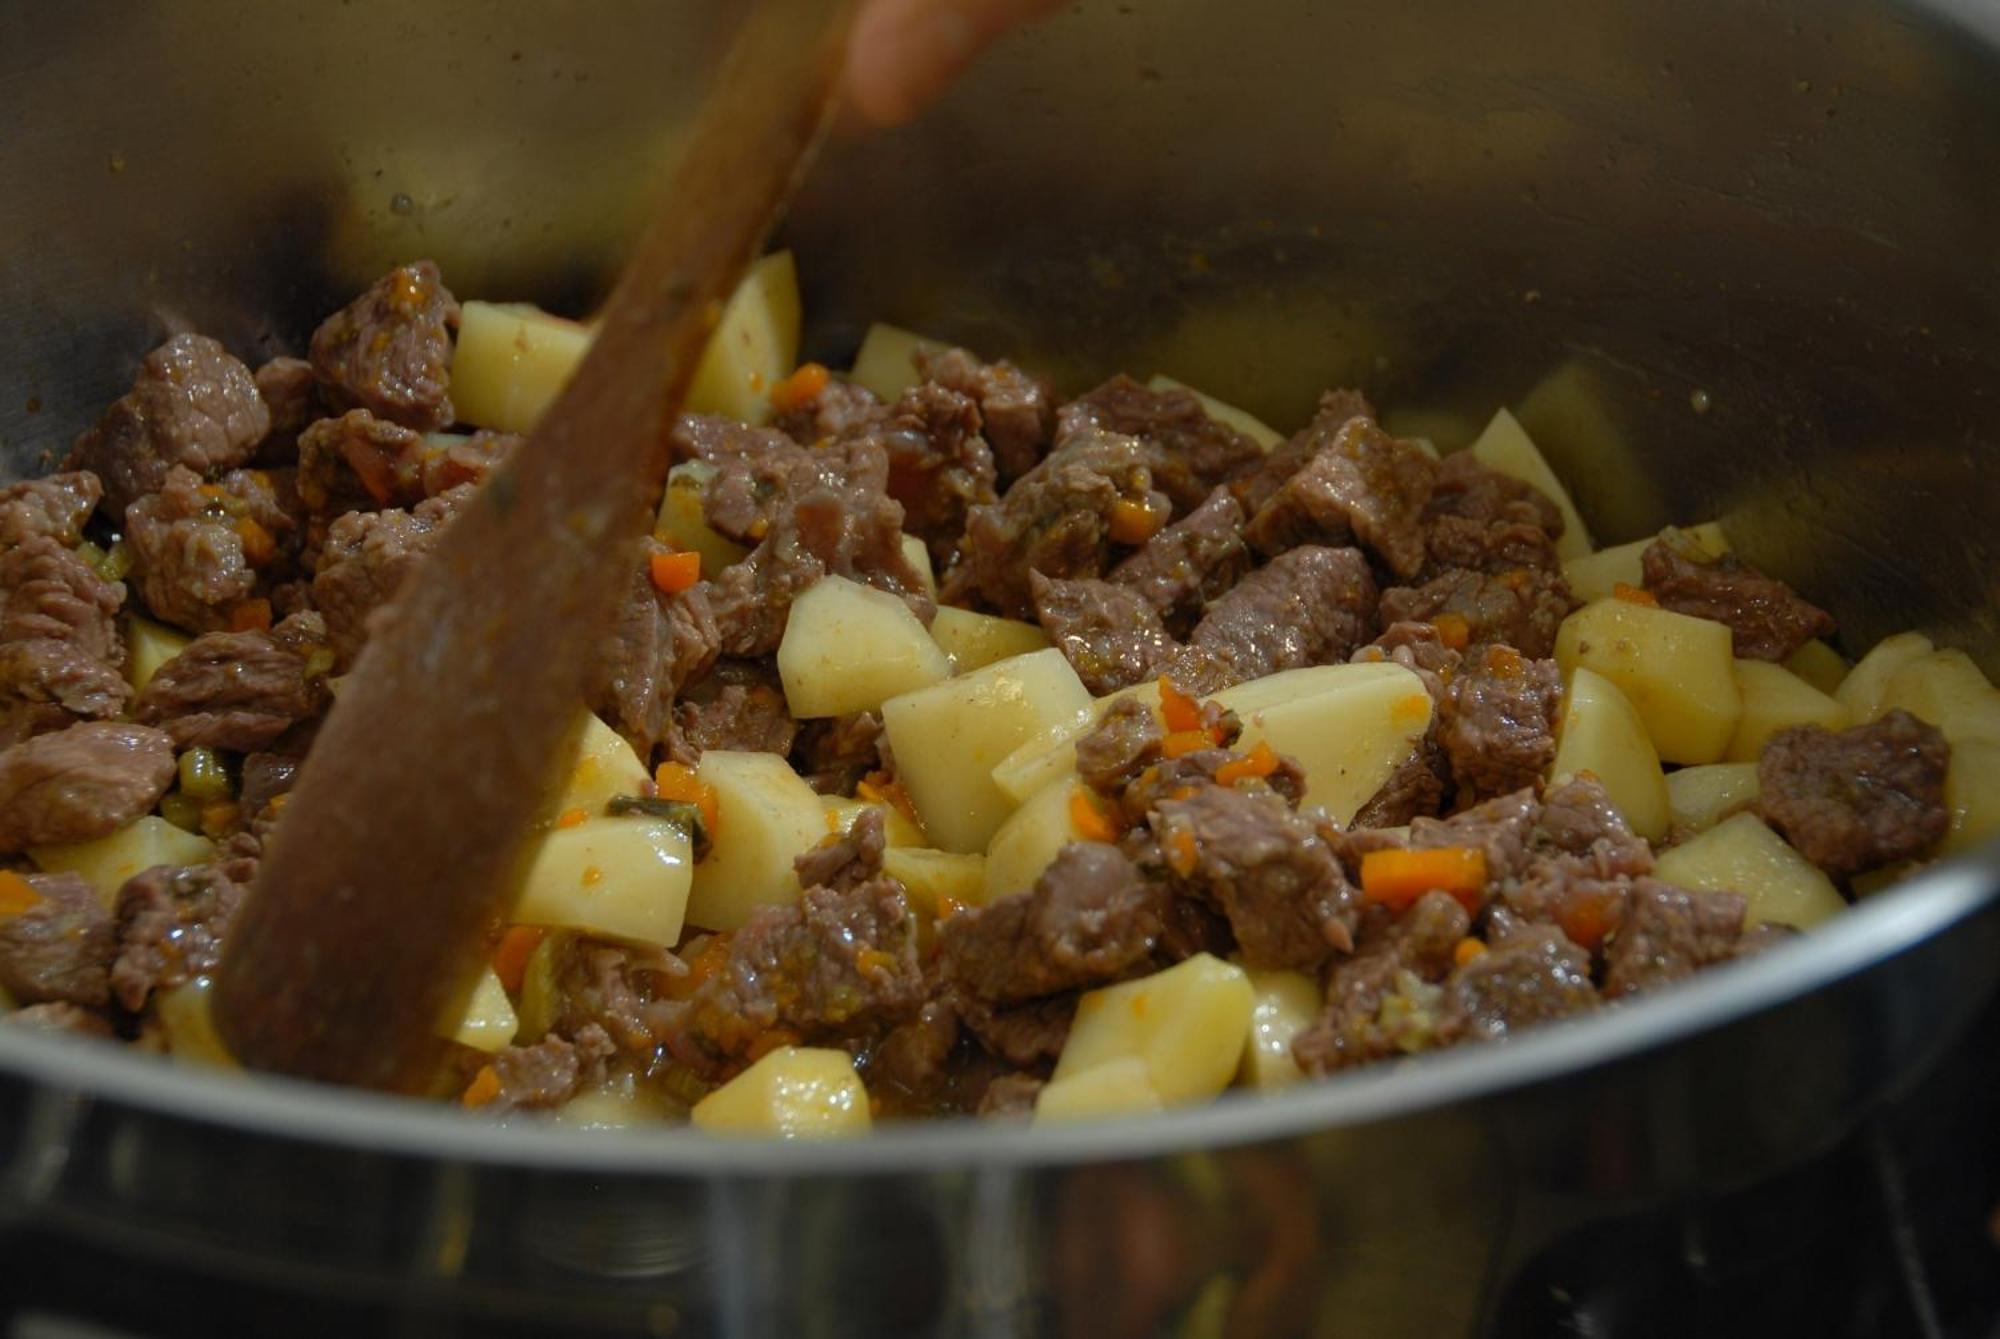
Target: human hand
905	53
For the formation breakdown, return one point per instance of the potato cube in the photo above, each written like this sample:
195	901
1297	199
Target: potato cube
766	816
974	641
930	876
1601	733
1741	855
1029	840
794	1092
1228	415
1701	797
1948	690
1186	1024
605	768
510	362
107	862
919	554
1594	576
627	878
897	829
617	1106
849	647
1506	447
184	1014
683	524
1052	754
886	361
948	737
1284	1004
1972	793
1774	698
755	344
1349	726
489	1022
1118	1087
1861	691
1677	671
1819	665
149	645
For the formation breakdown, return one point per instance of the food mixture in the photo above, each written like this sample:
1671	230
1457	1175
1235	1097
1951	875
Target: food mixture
958	748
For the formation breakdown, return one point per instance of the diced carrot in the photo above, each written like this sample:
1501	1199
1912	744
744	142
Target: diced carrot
701	968
1397	878
1505	662
874	964
1134	522
1178	711
17	895
1089	822
800	388
219	818
485	1086
1411	709
510	956
879	787
258	546
1466	950
251	616
947	907
1261	761
675	572
572	818
1635	595
1182	854
1183	742
1453	630
591	876
677	781
1588	918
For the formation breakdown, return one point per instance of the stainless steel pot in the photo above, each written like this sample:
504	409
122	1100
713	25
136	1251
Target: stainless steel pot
1755	239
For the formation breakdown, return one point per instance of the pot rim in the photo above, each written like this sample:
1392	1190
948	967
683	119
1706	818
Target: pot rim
1930	903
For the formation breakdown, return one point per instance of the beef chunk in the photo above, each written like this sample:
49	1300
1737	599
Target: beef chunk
1120	746
1257	485
1189	453
761	475
659	645
1522	607
198	548
1577	818
841	409
1361	485
52	507
1377	1001
241	690
1501	827
1161	781
1089	919
171	925
1024	1035
1533	976
367	557
741	708
1283	892
60	1017
1417	788
47	684
548	1073
1191	562
1308	606
192	404
1467	490
60	948
847	859
49	593
1667	933
1110	636
1856	799
84	782
1497	722
358	462
1011	1095
1056	519
1016	412
389	351
620	989
1417	647
290	390
1767	619
266	776
939	464
911	1070
836	753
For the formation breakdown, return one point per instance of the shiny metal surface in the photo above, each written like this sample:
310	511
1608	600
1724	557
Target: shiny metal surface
1786	208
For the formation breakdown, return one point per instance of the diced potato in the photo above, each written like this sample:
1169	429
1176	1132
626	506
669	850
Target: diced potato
795	1092
1186	1024
1446	429
849	647
766	815
1741	855
1861	691
605	768
1819	665
885	363
919	554
108	862
1972	793
1285	1003
626	877
683	524
948	737
1120	1087
1678	672
1948	690
1506	447
623	1104
1594	576
1773	699
510	362
184	1014
930	875
1052	754
1700	797
1228	415
974	641
149	645
1029	840
897	829
1602	734
489	1022
1349	726
755	344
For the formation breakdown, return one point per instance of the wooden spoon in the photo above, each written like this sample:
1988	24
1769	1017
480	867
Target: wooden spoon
409	830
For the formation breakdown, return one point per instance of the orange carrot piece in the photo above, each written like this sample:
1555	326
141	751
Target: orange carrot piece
17	895
799	389
1182	853
1261	761
1453	630
572	818
1088	821
1635	595
251	616
674	572
1398	878
485	1086
258	546
1178	711
1466	950
677	781
1183	742
1134	522
510	956
1587	919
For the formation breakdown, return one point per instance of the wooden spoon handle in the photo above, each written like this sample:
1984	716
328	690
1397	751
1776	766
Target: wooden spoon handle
414	816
